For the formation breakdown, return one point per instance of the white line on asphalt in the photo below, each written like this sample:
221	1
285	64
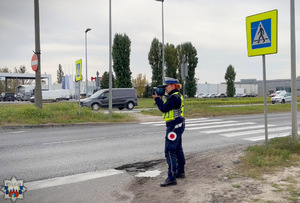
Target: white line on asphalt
187	121
211	123
236	129
219	126
17	132
255	131
71	141
282	134
196	122
35	185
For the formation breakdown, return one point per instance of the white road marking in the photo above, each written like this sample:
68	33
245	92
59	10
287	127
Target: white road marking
211	123
71	141
17	132
35	185
253	139
219	126
251	132
236	129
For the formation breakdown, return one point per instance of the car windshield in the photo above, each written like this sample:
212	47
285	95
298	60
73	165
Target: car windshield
97	94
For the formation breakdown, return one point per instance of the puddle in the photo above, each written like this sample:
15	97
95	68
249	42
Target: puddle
150	174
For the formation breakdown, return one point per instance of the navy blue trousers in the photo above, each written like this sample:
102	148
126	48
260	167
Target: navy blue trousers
174	152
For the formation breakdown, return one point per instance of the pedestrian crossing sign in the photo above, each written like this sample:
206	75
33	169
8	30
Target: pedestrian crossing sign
78	69
262	33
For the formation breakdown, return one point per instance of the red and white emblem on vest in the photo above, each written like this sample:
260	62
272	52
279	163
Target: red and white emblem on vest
172	136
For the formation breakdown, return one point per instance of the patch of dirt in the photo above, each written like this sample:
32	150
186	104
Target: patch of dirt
146	118
213	177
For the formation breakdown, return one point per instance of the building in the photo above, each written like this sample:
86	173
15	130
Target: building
250	86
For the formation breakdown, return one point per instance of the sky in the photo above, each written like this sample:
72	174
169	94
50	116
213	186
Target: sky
216	28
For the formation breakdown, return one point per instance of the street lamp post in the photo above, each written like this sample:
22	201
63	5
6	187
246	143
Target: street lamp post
86	77
163	44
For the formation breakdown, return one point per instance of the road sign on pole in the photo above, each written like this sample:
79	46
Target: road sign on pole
78	70
34	62
262	33
262	40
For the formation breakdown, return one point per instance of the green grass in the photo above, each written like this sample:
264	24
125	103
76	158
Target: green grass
64	113
281	152
211	107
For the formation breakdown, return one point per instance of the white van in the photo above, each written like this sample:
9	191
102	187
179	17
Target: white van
54	95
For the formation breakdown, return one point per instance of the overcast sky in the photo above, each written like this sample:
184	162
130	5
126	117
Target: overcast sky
216	28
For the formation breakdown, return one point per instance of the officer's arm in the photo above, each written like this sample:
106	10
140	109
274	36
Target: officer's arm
169	105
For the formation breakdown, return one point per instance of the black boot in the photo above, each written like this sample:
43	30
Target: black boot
168	183
181	175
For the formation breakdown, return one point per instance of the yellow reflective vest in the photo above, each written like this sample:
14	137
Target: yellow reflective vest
174	113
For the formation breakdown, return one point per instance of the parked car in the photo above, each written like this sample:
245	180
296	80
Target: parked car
7	96
282	98
121	98
221	95
201	95
238	95
206	96
278	93
18	97
213	96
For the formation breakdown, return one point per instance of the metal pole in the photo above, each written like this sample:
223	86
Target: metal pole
79	106
38	85
163	43
110	65
265	100
86	72
293	73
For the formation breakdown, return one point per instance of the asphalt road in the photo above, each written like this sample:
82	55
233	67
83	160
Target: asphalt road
42	153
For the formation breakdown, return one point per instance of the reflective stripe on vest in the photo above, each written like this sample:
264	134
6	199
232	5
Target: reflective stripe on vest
174	113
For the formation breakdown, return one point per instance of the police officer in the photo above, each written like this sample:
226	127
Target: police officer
173	109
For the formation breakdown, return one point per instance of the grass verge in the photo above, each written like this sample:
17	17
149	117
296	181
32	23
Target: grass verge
62	113
211	107
259	160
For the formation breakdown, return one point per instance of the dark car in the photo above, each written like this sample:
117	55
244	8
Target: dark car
7	96
121	98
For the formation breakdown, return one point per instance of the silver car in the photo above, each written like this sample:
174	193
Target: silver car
282	98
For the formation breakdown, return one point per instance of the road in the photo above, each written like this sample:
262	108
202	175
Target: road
43	153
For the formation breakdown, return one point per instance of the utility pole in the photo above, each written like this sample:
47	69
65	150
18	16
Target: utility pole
38	86
110	65
293	73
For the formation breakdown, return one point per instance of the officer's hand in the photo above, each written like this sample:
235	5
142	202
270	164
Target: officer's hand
154	95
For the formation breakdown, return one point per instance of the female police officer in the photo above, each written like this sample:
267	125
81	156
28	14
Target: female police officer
173	109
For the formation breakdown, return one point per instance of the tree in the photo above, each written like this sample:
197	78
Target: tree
121	60
2	85
190	52
60	73
230	78
155	61
105	81
171	61
140	84
147	92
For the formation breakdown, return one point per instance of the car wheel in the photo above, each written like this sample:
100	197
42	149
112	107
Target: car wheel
283	101
121	108
96	107
130	105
